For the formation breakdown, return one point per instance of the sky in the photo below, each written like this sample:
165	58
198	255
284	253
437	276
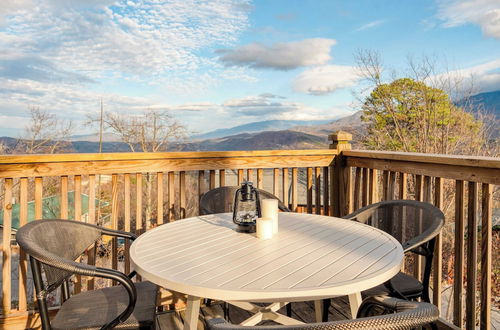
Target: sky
222	63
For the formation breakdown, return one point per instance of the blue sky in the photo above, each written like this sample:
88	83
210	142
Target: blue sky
217	64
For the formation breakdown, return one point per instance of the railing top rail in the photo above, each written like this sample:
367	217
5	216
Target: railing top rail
125	156
472	161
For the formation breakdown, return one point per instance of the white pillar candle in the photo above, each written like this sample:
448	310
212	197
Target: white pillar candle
264	228
270	210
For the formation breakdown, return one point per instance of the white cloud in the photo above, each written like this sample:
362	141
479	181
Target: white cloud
144	40
483	78
370	25
485	13
323	80
280	56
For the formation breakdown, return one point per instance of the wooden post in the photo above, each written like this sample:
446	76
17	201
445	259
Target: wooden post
341	179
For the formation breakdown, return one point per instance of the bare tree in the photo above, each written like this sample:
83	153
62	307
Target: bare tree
151	131
45	133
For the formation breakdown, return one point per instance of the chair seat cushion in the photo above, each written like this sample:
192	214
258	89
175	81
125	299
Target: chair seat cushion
409	286
93	309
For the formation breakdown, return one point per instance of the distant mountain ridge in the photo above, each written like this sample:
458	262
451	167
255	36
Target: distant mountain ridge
489	102
260	126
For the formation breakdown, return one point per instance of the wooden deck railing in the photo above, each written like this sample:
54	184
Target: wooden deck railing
142	190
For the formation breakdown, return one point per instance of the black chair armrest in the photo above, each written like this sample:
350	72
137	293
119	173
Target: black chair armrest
118	233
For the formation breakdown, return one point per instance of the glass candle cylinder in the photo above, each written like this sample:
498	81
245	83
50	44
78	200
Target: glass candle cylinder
270	210
264	228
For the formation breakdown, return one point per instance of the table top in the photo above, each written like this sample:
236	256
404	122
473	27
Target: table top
311	257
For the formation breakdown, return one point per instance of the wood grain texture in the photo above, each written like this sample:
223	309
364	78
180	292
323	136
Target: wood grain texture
437	274
309	188
326	191
222	178
403	185
126	219
182	192
295	195
276	181
472	208
38	197
170	163
260	178
357	188
317	190
64	197
385	185
171	197
365	187
77	181
138	202
448	171
285	187
486	255
6	250
159	197
91	193
373	186
115	209
23	263
212	179
458	288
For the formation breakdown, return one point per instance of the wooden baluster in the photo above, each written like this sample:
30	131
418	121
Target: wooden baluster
392	185
285	187
357	188
385	185
486	255
77	182
342	198
126	215
276	181
403	185
240	177
317	186
222	178
182	193
115	209
171	196
201	183
295	195
6	250
159	197
309	189
438	249
470	315
138	204
212	179
92	220
23	264
365	187
38	197
419	196
427	189
459	254
78	197
373	193
326	191
250	175
260	178
64	198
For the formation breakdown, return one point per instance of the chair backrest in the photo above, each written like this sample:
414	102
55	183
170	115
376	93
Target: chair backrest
412	223
390	313
56	244
220	200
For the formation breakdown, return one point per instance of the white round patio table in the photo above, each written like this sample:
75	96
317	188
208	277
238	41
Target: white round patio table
312	257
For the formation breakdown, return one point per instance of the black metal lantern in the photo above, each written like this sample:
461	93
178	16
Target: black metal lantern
246	208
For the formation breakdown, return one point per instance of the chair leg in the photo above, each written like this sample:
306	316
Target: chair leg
289	310
326	307
226	311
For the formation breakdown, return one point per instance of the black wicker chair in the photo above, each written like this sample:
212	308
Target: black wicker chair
53	245
220	200
376	312
415	225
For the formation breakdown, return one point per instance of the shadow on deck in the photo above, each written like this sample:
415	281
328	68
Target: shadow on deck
303	311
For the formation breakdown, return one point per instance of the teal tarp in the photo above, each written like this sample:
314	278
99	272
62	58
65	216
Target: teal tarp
50	208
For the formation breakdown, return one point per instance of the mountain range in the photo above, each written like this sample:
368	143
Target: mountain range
263	135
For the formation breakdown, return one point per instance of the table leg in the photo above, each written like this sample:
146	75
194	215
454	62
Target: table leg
318	310
192	313
355	301
268	312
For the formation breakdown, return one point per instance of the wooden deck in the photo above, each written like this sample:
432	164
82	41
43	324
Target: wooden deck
303	311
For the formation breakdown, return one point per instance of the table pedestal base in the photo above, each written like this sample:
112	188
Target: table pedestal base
262	313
